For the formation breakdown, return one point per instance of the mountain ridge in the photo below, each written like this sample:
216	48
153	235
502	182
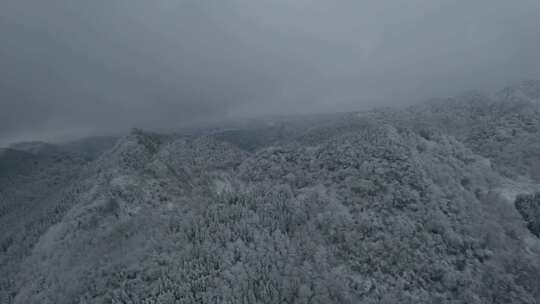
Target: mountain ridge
388	206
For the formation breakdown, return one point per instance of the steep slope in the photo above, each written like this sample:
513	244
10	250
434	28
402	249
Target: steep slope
34	191
124	206
38	185
352	211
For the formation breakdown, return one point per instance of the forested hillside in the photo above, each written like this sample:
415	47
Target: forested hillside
387	206
38	185
504	128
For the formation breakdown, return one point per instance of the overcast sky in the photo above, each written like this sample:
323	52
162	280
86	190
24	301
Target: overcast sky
78	67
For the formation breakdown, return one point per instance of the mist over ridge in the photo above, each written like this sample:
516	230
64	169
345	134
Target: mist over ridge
79	68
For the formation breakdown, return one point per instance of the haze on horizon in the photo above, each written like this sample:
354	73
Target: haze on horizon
74	68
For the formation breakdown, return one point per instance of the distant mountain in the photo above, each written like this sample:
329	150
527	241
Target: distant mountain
35	147
10	158
90	147
386	206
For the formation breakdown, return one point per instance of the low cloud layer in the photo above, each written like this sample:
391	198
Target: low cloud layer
71	67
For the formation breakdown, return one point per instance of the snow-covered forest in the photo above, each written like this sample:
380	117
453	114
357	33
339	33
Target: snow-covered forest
434	203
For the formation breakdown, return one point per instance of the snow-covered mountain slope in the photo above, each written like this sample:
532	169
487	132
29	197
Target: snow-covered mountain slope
355	211
505	129
385	207
38	185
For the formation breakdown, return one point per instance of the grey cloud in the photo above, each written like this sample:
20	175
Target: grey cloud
82	67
